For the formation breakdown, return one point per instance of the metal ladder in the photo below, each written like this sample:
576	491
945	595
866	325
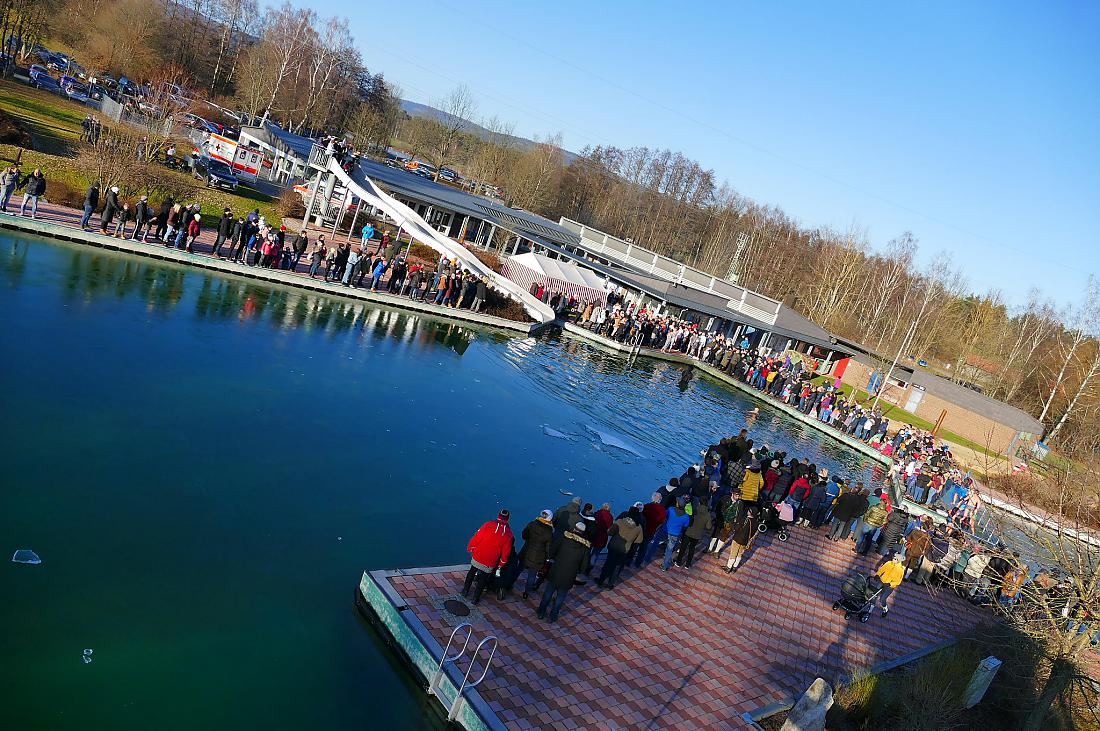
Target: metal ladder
460	698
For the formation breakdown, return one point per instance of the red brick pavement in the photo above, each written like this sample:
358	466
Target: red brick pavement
691	648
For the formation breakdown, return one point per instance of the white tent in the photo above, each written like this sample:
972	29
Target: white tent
556	276
420	230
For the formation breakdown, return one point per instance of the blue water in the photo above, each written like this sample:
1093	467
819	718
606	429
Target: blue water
206	465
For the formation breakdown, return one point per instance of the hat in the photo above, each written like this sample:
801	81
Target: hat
546	515
754	465
145	197
198	217
581	525
638	505
114	188
503	515
575	501
775	463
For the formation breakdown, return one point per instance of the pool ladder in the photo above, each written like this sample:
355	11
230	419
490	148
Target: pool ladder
434	687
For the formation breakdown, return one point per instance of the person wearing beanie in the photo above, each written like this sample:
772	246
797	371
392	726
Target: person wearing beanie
625	533
489	550
110	209
535	553
751	484
568	553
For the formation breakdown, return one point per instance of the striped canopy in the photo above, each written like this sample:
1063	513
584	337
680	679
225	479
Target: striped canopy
556	276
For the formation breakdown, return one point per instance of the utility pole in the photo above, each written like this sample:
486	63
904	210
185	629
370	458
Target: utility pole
886	380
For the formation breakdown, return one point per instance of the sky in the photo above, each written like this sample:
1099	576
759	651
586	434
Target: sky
974	125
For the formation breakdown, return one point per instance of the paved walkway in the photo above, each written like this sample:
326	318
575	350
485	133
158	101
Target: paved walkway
51	217
691	648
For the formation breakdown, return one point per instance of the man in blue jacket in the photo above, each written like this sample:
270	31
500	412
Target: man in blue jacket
677	521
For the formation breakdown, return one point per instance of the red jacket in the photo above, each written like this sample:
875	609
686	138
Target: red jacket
800	490
655	515
604	519
491	545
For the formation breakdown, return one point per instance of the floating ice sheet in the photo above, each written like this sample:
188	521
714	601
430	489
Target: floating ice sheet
614	440
25	555
552	432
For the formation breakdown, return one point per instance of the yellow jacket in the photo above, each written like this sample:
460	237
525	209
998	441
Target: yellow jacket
751	484
891	573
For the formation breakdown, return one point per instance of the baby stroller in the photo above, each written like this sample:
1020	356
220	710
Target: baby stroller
776	517
857	596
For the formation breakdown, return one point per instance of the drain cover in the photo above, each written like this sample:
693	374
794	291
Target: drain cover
457	608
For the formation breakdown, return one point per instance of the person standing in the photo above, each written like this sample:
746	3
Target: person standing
625	533
653	518
34	187
110	209
489	550
225	230
568	553
162	218
316	257
91	203
917	544
349	269
194	228
675	525
9	181
142	216
890	574
536	549
480	295
702	522
124	215
744	529
301	243
849	506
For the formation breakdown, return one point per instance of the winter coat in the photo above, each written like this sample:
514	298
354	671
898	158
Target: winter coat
603	525
225	225
165	209
111	207
194	227
895	526
701	522
876	515
142	212
536	549
91	198
800	490
569	551
917	544
677	521
744	528
566	517
491	545
750	485
654	515
624	533
849	505
9	180
35	184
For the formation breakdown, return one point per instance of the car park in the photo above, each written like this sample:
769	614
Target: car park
215	173
74	89
448	175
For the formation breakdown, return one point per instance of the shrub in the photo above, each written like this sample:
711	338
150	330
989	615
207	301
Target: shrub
291	205
489	259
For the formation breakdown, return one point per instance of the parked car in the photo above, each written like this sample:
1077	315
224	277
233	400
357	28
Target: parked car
97	92
74	89
213	172
448	175
41	79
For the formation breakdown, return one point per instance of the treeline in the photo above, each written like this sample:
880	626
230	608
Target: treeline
1045	361
284	63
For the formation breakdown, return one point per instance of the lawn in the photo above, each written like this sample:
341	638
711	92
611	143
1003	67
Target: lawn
53	121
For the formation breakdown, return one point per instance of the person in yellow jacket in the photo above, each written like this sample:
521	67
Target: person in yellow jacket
751	484
890	574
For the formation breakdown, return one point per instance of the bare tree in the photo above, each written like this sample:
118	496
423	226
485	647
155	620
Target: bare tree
1085	322
457	107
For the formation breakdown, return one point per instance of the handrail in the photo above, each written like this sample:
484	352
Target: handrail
446	658
485	671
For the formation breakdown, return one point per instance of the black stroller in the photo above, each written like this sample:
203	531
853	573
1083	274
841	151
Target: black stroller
770	520
857	596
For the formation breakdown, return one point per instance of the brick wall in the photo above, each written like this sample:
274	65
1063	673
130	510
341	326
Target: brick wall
966	423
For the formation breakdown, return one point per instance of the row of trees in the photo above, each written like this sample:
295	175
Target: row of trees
284	63
1044	360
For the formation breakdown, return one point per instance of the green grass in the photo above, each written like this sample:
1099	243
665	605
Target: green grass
53	121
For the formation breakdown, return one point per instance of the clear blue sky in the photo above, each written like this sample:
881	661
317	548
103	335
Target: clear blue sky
974	125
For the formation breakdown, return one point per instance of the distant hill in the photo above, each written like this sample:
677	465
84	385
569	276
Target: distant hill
416	109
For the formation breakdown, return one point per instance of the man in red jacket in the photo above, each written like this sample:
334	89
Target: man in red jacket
489	550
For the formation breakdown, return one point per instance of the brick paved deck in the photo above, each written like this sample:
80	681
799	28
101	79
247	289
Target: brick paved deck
689	648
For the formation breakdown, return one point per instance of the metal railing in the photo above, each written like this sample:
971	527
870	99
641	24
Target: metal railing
459	700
